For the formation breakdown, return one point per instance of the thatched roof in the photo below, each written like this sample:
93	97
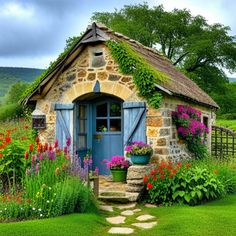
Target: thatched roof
177	85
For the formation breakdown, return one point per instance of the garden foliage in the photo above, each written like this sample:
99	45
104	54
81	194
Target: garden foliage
183	183
40	180
191	130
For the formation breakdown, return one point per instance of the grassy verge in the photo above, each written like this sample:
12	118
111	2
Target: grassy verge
214	218
231	124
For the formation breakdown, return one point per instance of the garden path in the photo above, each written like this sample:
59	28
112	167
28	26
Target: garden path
127	218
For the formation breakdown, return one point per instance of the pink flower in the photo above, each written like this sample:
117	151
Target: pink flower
68	142
41	157
56	143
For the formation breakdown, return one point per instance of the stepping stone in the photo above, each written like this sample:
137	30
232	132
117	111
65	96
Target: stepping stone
127	213
136	210
126	206
150	205
120	230
145	225
116	220
145	217
106	208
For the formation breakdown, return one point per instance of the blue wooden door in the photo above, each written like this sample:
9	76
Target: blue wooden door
107	136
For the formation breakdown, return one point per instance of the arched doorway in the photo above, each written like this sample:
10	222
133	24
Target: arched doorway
99	128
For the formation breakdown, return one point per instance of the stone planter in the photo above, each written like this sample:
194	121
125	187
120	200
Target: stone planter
140	159
119	175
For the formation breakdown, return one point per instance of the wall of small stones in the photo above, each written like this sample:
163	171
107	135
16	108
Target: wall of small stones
162	133
80	78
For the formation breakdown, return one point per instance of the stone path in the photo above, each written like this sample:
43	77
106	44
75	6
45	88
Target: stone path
142	221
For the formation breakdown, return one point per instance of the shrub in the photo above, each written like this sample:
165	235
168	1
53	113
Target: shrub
182	183
191	129
11	111
14	139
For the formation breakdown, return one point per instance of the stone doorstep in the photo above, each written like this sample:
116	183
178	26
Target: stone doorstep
124	197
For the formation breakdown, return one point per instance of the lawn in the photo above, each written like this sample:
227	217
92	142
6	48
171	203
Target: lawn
215	218
231	124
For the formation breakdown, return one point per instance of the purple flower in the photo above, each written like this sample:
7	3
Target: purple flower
52	155
37	168
41	156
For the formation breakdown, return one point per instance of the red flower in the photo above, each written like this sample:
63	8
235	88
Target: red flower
1	155
155	178
174	172
149	186
216	172
26	155
179	164
31	147
45	147
170	176
162	177
8	139
162	172
187	164
39	147
26	127
153	172
56	143
37	139
145	179
169	167
50	148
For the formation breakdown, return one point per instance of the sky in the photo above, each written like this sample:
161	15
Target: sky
33	32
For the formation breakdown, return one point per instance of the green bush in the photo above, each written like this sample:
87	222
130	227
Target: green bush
10	111
183	183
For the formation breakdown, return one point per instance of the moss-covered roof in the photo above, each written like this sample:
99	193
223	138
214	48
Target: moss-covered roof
177	84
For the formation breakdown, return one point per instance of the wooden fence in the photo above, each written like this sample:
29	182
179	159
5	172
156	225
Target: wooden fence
223	142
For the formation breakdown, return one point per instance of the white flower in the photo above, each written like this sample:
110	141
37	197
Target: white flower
41	215
49	188
5	209
0	211
33	209
52	200
47	201
40	209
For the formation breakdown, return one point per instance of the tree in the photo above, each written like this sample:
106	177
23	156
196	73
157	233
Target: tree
15	92
199	49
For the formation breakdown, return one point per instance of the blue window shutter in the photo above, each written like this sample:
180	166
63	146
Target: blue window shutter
64	123
134	122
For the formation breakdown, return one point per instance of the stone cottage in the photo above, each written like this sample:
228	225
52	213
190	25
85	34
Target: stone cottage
86	97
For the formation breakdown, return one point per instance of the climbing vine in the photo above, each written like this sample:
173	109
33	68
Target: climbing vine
144	75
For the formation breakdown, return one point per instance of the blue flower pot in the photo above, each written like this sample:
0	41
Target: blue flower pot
140	159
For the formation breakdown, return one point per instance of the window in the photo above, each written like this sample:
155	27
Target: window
205	121
98	57
108	117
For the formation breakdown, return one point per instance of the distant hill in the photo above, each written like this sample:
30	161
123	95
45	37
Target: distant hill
232	79
11	75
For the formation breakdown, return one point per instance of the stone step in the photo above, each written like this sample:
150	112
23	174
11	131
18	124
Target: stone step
118	196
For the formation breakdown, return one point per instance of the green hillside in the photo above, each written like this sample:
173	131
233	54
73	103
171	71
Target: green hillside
11	75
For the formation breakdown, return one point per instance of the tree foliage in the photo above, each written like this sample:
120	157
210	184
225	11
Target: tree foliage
199	49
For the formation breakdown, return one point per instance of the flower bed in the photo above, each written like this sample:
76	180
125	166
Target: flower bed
42	180
183	183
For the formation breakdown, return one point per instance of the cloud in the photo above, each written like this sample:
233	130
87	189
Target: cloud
34	27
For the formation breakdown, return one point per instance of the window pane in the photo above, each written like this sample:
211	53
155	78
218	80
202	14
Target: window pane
115	125
82	140
82	111
102	110
115	109
101	125
82	126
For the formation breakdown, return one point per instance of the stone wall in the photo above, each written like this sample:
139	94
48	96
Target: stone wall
80	78
162	133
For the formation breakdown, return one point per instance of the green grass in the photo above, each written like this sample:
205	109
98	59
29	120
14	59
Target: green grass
230	124
214	218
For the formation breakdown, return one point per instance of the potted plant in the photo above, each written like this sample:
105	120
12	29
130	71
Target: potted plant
118	167
139	152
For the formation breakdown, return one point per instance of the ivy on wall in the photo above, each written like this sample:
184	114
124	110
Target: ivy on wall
144	75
